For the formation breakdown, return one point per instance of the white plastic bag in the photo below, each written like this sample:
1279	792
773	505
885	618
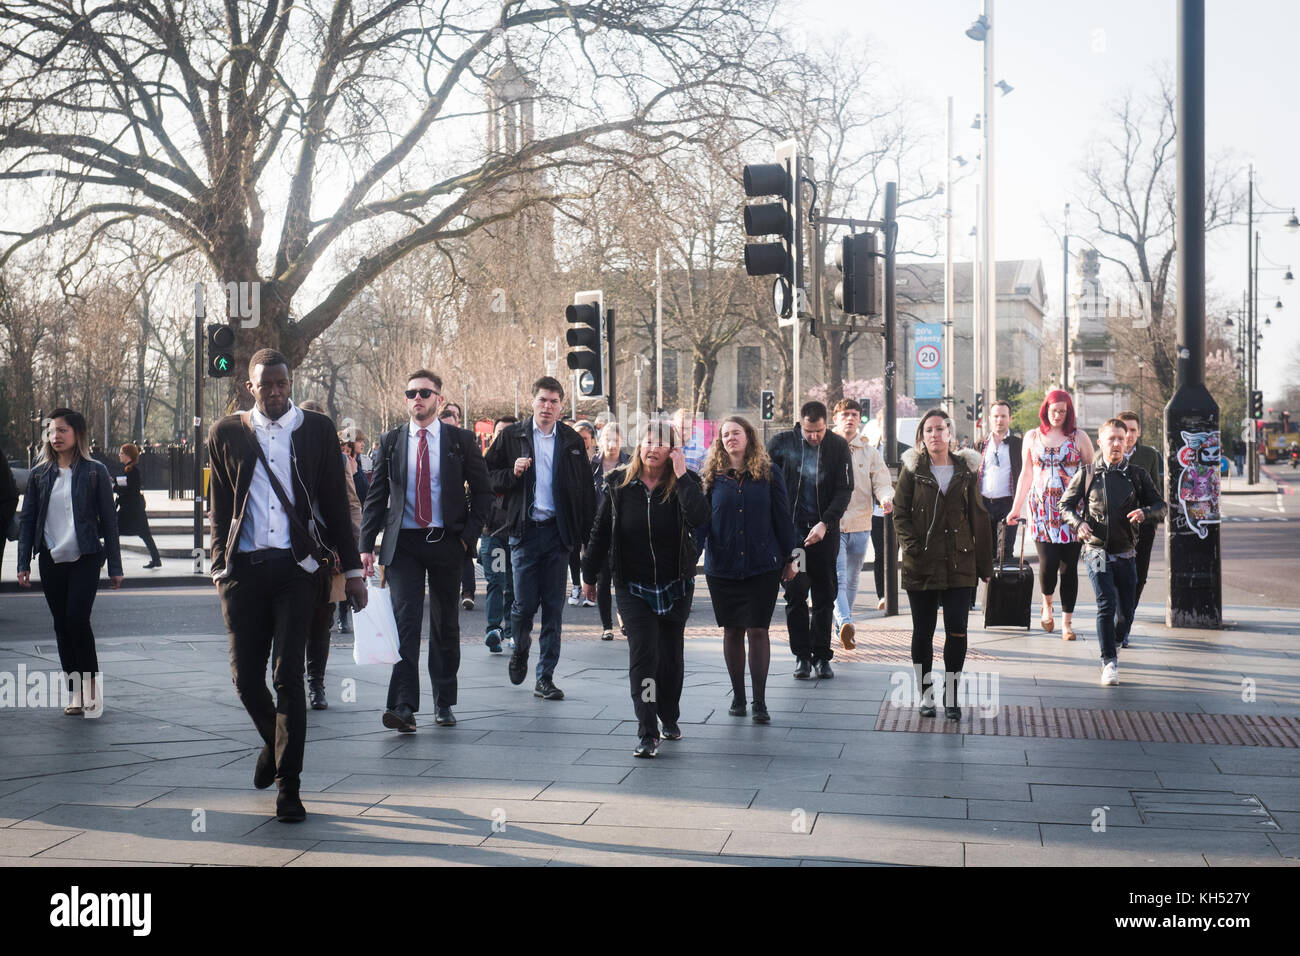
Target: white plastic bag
374	629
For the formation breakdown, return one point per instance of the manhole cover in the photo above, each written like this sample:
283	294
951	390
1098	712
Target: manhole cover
1204	810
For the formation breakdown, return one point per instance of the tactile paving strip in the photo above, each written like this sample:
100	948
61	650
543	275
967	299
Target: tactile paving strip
877	645
1244	730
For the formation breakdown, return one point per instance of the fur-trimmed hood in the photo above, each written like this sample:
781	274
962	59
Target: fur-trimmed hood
972	459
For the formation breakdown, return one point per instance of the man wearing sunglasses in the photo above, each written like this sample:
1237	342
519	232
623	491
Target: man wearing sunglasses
417	498
998	476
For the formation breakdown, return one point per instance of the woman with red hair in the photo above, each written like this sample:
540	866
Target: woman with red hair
1053	453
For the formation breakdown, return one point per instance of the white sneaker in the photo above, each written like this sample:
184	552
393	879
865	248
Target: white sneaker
1109	674
575	597
880	605
586	603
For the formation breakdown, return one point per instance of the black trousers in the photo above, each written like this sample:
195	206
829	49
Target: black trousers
318	641
925	615
438	562
656	665
1060	559
263	602
467	576
605	595
810	634
1146	539
70	592
878	553
998	509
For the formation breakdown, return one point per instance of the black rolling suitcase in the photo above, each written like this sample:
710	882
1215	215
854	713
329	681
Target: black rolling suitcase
1009	596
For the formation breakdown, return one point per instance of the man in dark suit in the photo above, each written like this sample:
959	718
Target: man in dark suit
541	470
279	502
998	476
417	498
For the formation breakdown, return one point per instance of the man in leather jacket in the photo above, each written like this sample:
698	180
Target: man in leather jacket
1104	506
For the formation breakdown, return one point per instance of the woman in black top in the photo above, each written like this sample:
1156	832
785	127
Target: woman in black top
751	548
646	522
131	517
609	455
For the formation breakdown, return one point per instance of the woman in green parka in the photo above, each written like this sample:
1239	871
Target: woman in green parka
943	529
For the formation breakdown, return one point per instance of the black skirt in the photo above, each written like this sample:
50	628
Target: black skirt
744	602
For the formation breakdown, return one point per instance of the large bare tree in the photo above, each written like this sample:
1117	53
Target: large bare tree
1130	206
269	134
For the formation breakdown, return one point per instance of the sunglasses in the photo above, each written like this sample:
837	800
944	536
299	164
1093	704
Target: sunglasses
422	392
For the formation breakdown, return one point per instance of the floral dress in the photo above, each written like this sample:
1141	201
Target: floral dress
1053	469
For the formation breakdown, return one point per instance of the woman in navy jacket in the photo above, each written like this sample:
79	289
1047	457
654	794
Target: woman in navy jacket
751	549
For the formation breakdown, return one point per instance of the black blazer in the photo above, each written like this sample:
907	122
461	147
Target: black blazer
318	471
1017	458
459	463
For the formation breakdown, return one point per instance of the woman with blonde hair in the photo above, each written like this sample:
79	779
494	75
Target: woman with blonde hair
131	517
943	529
751	545
67	509
646	525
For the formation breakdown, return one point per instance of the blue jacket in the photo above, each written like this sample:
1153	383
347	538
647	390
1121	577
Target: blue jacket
750	531
92	512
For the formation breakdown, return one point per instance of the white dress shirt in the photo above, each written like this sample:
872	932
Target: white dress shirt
996	481
434	454
265	525
60	524
544	466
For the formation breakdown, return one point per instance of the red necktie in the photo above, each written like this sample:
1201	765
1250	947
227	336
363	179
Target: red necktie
423	488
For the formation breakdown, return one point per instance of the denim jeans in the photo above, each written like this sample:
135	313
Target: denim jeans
541	567
848	569
494	556
1116	590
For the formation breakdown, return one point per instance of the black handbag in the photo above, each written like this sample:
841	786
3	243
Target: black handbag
1009	597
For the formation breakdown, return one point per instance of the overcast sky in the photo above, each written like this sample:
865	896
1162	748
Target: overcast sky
1066	62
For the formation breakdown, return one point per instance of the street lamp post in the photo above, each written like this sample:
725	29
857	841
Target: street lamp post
981	31
1252	299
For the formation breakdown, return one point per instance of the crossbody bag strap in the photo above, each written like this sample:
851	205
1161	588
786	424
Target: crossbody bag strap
310	532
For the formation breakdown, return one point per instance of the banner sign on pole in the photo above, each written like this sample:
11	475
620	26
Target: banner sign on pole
928	360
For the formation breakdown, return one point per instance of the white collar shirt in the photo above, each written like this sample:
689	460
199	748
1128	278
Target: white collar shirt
996	479
265	524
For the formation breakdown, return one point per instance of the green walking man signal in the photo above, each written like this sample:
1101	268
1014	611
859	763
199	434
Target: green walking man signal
221	351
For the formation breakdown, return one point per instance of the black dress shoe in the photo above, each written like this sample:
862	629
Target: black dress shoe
288	807
761	715
316	692
547	690
518	667
952	713
264	772
400	718
648	747
737	708
153	564
672	732
803	669
928	710
823	670
443	717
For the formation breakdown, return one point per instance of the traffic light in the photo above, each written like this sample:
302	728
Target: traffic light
856	258
221	351
781	217
1257	405
586	339
767	406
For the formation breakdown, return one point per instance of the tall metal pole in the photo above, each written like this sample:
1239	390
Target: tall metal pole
990	288
1192	437
1065	306
1252	466
659	335
198	427
949	357
977	309
139	369
891	422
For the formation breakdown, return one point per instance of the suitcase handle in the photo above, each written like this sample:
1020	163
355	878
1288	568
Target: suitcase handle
1002	537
